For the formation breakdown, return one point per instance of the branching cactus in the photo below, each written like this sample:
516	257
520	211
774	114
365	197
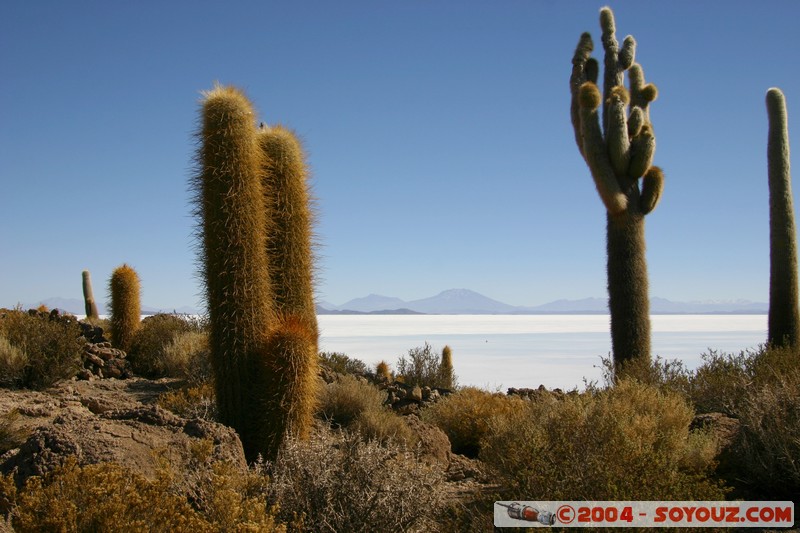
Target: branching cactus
229	200
784	317
618	148
126	308
88	297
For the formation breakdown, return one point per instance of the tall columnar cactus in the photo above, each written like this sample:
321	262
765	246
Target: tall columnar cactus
88	296
618	149
291	218
784	317
126	309
229	199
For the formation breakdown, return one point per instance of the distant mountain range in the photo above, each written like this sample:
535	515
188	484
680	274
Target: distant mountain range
467	302
464	302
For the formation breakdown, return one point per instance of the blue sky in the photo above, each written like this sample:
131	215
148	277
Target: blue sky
438	135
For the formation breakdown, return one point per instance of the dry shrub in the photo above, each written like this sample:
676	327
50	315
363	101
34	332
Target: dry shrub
343	364
51	343
229	498
338	482
383	425
109	497
148	346
194	401
103	497
764	460
188	356
630	442
12	435
343	401
768	447
465	416
356	403
721	383
12	363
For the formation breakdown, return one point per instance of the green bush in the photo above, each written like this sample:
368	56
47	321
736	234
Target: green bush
51	343
629	442
339	482
466	415
150	341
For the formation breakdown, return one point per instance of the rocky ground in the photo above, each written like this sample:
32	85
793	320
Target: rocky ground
111	420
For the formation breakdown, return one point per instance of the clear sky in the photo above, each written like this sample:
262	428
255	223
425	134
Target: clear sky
438	135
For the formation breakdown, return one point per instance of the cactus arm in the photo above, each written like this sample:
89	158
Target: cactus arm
635	122
616	61
652	185
617	136
627	55
579	77
612	75
594	149
643	148
641	93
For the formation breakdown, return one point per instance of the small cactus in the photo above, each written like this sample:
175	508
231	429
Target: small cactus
383	372
126	310
447	377
784	317
88	297
618	149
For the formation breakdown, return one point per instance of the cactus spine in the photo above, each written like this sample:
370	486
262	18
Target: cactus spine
88	297
784	317
126	309
619	154
229	201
